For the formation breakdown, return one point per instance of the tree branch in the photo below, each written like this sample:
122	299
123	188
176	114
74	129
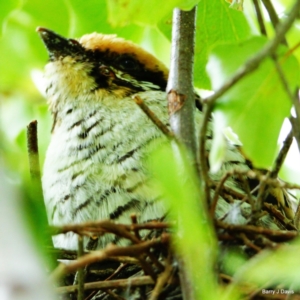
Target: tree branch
33	152
253	62
180	89
181	105
260	18
273	16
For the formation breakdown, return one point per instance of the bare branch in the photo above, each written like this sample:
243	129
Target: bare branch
181	104
282	234
81	271
273	16
33	152
165	130
180	89
161	281
120	283
282	155
110	251
260	18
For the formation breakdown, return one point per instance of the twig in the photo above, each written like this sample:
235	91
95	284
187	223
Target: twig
282	155
253	62
33	152
282	234
110	251
260	18
162	280
114	295
108	226
297	217
35	173
151	115
80	272
134	221
249	243
296	121
146	266
119	283
273	16
217	194
279	216
262	194
205	180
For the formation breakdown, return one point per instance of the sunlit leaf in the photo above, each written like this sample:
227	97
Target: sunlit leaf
255	107
150	12
270	268
216	24
194	238
6	7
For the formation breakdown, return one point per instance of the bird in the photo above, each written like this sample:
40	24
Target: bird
95	164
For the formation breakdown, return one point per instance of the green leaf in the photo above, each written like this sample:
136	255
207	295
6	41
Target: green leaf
6	7
270	268
256	106
150	12
216	24
194	238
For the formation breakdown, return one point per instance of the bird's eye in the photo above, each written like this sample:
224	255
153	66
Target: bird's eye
128	63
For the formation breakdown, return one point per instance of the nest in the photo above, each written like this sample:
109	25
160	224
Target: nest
148	267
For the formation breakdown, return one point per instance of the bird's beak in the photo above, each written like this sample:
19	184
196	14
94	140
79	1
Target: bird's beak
57	45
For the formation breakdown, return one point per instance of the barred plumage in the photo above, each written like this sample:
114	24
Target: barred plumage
94	166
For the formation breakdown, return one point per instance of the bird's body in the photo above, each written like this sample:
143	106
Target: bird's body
94	167
95	164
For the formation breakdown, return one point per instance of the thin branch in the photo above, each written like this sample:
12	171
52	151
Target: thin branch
35	171
119	283
110	251
205	180
103	226
273	16
180	89
283	234
162	280
282	155
296	121
288	223
33	151
260	18
80	273
217	194
151	115
249	243
253	62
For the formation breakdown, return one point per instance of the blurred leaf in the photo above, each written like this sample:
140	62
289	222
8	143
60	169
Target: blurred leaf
216	24
20	263
122	12
270	268
194	238
255	107
6	7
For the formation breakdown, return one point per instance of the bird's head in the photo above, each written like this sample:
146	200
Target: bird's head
99	65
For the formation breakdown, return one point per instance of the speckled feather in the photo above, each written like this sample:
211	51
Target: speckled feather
95	164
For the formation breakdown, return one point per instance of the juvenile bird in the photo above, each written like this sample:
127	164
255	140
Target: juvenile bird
94	167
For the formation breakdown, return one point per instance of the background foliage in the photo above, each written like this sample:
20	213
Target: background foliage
220	32
225	38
